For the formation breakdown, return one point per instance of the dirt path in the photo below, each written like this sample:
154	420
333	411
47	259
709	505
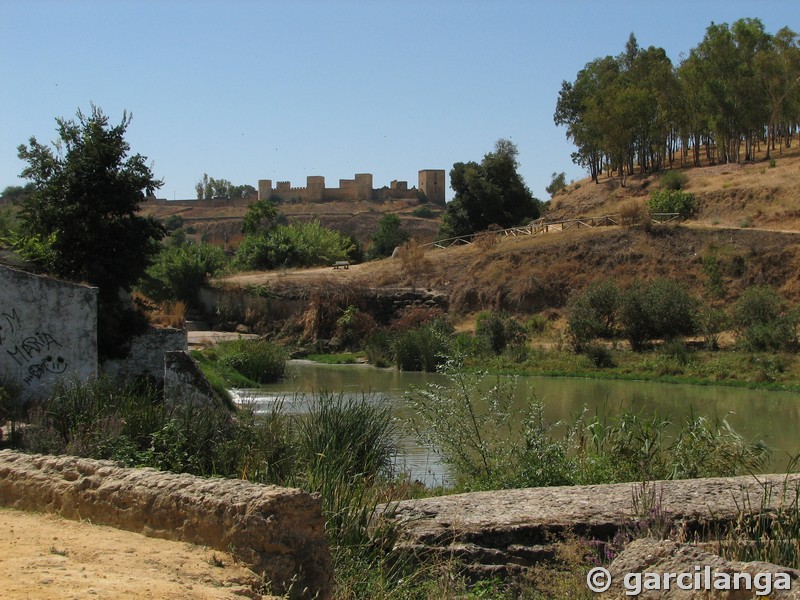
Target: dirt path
44	557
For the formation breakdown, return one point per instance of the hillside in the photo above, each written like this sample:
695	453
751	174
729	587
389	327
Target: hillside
748	220
733	195
224	224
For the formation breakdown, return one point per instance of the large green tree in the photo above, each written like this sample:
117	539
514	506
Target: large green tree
79	220
737	88
491	192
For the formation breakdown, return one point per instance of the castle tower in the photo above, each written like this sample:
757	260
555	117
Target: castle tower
432	183
363	187
264	189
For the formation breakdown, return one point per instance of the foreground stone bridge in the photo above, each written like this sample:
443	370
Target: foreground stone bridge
502	531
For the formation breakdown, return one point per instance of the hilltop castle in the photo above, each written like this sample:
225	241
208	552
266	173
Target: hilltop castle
432	184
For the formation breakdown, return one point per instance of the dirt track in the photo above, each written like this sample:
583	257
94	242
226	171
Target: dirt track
44	557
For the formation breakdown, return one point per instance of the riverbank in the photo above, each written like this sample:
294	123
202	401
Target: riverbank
729	368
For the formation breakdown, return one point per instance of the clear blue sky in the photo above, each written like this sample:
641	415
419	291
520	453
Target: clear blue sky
248	90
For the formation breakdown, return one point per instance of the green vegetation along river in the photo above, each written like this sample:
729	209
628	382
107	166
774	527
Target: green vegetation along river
773	417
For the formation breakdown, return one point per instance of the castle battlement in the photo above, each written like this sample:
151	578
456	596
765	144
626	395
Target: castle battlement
432	184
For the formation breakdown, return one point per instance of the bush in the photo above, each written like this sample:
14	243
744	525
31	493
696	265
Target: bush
672	201
633	213
352	328
422	348
660	309
673	180
390	235
379	349
536	323
295	245
476	429
593	314
259	360
499	330
180	272
711	322
760	323
423	212
353	434
600	356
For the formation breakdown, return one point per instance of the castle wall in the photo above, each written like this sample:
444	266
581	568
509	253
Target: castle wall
358	189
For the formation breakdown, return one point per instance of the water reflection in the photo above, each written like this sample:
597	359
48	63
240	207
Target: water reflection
773	417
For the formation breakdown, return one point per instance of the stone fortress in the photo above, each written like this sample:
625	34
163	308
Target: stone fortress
432	184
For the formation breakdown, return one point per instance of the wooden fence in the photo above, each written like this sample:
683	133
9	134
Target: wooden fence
540	226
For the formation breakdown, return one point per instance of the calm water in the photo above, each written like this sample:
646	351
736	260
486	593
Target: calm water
773	417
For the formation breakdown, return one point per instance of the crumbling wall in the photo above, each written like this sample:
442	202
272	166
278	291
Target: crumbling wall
279	532
146	355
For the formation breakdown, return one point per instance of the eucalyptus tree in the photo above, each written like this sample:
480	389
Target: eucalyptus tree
778	64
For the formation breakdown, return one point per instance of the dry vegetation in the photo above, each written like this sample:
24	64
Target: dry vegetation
749	221
223	225
750	194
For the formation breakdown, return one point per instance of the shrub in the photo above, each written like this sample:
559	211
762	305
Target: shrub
390	235
259	360
593	314
760	323
351	434
180	271
498	330
672	201
633	213
413	261
352	328
600	356
673	180
379	349
711	322
536	323
422	348
660	309
423	212
476	429
295	245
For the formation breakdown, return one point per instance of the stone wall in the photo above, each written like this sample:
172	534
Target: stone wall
506	530
278	532
185	383
48	331
146	356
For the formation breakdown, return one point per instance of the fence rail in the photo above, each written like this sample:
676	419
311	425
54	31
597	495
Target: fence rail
540	226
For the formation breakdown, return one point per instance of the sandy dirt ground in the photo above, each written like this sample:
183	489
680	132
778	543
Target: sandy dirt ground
46	557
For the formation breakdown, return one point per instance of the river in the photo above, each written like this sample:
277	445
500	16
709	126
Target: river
773	417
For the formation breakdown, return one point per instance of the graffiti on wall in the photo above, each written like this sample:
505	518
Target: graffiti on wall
38	353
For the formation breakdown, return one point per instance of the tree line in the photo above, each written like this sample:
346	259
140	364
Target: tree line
737	89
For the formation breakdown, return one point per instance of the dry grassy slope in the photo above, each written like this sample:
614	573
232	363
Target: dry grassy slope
532	274
357	219
750	194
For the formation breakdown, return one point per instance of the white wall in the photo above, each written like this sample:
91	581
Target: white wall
48	331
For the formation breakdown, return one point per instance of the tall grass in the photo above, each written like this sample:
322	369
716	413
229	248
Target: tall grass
258	360
487	445
768	527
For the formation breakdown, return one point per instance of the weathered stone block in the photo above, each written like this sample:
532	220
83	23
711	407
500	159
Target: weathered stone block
519	527
277	531
644	557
